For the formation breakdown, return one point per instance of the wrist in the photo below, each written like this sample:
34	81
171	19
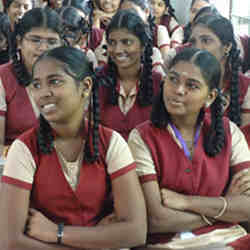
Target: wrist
60	232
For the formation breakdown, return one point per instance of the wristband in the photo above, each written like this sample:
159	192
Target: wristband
60	233
223	210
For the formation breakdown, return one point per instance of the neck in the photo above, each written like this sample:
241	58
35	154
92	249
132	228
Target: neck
187	127
132	73
69	130
158	20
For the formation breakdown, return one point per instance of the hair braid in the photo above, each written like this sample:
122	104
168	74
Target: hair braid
45	137
215	140
93	128
145	95
234	107
111	80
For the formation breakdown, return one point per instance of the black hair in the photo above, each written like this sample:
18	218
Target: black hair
5	31
211	72
73	22
34	18
223	29
207	10
171	10
87	8
7	3
129	20
76	64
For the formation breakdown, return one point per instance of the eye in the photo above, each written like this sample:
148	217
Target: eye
53	42
55	82
173	79
127	42
206	40
36	85
192	85
111	42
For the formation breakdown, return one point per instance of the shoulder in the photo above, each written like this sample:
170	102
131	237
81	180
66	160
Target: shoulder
29	138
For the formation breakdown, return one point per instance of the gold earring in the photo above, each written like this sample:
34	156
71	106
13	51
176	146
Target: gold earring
227	52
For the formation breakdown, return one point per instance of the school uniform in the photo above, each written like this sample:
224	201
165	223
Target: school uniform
76	194
160	157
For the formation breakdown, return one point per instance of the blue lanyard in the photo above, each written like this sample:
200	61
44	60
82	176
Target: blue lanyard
182	141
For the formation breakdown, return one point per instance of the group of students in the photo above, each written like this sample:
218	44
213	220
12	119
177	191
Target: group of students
120	156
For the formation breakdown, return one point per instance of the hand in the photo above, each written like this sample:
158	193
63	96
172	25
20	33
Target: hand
240	183
173	200
109	219
41	228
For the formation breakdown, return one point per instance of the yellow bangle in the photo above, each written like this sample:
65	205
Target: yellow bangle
223	210
206	220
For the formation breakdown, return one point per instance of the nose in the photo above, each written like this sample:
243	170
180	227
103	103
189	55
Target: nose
21	10
181	89
198	45
44	92
118	48
43	46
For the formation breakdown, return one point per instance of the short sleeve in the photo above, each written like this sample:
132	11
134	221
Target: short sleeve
240	155
163	38
144	163
246	102
119	158
20	166
3	105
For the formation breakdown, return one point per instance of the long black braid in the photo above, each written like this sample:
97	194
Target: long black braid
211	71
129	20
76	64
215	139
223	29
234	113
34	18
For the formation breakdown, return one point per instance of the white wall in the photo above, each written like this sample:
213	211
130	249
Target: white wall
181	9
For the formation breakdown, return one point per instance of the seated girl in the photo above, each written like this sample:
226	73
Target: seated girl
76	31
164	15
130	84
192	165
104	10
64	175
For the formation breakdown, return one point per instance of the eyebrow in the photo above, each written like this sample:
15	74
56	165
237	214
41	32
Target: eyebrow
39	37
50	76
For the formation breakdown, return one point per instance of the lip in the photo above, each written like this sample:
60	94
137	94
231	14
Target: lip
175	102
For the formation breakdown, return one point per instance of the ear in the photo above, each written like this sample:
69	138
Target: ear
211	97
18	42
147	11
86	86
227	49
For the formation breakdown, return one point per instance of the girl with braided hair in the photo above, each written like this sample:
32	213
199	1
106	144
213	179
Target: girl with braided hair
130	85
186	157
215	34
38	31
67	173
15	9
160	34
164	15
95	37
76	31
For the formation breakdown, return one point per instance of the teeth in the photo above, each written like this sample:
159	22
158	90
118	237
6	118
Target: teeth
47	107
121	58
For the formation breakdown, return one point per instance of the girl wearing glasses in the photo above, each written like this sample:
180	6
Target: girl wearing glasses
66	174
38	31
